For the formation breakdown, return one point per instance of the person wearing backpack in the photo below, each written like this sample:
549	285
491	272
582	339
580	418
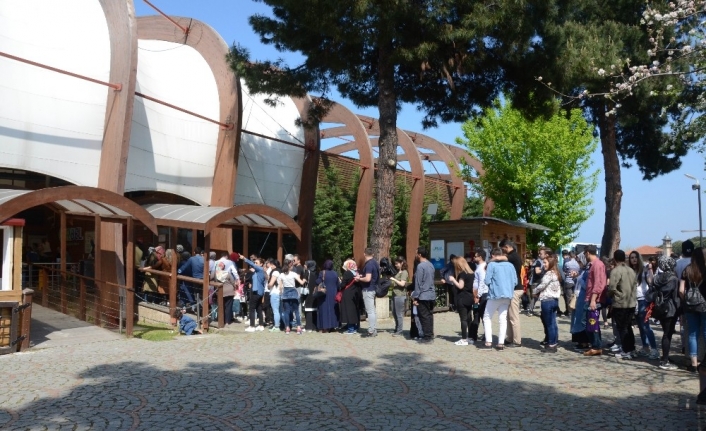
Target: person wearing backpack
691	291
368	281
665	305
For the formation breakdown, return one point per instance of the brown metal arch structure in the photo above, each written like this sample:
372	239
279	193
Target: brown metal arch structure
50	195
416	206
310	174
259	209
353	126
458	195
213	49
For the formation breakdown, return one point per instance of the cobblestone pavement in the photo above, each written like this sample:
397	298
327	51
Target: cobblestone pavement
271	381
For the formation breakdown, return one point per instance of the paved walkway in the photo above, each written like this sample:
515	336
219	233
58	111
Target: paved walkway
53	329
271	381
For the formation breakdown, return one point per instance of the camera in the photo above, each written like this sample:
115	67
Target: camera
387	268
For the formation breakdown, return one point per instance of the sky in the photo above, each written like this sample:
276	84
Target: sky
650	209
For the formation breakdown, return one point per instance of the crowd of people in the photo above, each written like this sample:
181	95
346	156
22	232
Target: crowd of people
624	290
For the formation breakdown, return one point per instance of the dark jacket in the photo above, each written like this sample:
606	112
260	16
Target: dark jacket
667	284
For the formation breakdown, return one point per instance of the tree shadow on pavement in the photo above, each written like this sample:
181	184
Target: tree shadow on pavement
299	389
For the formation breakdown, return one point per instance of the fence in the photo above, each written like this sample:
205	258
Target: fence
102	302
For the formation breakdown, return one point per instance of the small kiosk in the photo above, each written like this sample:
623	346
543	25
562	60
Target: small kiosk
14	303
469	234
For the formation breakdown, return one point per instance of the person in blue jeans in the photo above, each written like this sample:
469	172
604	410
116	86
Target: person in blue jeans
548	292
290	296
693	278
187	325
644	274
275	294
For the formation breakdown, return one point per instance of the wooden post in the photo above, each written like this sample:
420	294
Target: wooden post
221	309
62	267
97	271
173	238
246	241
280	248
26	319
129	277
206	246
194	240
45	289
172	291
82	299
173	286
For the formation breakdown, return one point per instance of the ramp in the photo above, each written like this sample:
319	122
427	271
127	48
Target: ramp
53	329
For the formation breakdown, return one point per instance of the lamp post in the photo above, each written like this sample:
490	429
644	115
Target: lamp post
697	186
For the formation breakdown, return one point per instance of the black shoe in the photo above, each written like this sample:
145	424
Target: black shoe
513	345
691	368
426	341
550	350
544	343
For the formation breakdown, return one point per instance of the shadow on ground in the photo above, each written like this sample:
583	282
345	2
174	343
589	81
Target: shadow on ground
299	390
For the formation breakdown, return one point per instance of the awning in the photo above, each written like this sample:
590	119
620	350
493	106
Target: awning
75	200
209	218
511	223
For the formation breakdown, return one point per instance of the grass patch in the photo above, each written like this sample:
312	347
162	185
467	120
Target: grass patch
155	333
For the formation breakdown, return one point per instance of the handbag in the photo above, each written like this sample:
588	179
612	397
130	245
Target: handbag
339	294
320	290
695	302
572	303
593	323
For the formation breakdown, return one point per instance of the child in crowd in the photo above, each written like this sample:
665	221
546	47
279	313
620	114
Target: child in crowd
187	325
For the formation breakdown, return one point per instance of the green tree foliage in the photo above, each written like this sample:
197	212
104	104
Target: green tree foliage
444	56
536	171
333	220
574	41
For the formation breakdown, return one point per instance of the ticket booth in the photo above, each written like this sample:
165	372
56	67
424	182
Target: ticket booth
13	307
460	237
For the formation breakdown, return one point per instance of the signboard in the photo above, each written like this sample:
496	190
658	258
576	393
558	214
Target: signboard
436	254
455	248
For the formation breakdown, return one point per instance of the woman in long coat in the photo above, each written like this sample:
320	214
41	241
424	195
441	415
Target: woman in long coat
350	304
327	317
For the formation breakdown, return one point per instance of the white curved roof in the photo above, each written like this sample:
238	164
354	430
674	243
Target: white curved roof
270	172
198	214
171	151
49	122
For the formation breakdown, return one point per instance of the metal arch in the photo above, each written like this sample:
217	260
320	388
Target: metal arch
416	206
213	49
53	194
310	175
458	196
340	114
259	209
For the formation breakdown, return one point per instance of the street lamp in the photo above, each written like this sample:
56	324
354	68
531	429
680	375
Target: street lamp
697	186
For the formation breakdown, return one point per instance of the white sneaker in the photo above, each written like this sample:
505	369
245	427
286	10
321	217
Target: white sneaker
470	341
260	328
250	329
461	342
615	349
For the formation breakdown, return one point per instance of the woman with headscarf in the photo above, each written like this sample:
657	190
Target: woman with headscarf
310	309
351	297
327	318
578	315
666	305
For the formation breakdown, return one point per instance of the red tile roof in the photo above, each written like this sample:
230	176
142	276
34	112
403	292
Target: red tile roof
647	250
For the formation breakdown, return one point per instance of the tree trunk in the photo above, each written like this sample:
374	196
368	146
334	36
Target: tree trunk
613	183
387	157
